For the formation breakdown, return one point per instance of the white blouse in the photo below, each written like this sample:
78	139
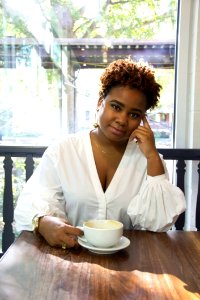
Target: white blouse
66	184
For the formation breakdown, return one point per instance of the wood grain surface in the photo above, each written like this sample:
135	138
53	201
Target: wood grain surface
154	266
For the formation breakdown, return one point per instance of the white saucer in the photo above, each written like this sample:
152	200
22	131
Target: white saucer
123	243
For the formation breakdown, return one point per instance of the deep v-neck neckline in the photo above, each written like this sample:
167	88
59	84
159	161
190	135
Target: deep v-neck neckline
94	173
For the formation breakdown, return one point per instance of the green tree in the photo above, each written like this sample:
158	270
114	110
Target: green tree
136	19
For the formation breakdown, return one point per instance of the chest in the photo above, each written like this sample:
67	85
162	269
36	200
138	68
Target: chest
106	166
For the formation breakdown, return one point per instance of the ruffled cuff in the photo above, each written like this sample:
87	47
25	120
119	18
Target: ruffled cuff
156	178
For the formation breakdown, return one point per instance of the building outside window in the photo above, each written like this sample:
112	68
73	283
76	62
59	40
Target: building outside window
52	53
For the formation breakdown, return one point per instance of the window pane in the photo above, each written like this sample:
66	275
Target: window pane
53	52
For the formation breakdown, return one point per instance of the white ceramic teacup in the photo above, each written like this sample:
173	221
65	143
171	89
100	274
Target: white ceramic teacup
103	233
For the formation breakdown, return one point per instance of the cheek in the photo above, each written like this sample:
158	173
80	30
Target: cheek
104	114
102	117
133	124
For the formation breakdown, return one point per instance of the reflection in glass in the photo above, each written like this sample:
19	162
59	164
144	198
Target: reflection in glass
53	52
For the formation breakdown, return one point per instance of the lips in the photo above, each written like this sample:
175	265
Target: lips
116	131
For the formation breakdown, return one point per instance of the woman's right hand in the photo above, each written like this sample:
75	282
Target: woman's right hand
58	232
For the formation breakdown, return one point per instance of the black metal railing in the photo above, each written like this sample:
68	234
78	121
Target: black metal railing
9	152
180	156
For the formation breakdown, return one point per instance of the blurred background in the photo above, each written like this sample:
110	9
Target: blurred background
52	53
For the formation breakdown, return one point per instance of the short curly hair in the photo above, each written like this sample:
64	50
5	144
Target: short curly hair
126	72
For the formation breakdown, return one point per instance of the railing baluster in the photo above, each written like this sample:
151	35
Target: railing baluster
8	235
180	170
198	201
8	208
29	166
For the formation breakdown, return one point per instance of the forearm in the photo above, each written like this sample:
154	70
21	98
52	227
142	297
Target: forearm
154	165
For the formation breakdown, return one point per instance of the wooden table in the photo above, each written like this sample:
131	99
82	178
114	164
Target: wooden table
154	266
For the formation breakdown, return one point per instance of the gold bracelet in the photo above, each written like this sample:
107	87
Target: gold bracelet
35	222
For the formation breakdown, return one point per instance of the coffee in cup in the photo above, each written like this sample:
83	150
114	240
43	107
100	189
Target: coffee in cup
103	233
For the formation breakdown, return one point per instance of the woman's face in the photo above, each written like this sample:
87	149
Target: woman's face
120	113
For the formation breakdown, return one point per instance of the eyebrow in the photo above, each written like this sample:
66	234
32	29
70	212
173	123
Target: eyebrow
122	105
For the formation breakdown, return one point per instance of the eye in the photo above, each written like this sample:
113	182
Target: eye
115	106
135	115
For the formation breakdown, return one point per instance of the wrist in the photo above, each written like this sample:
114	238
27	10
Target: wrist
153	155
36	222
154	165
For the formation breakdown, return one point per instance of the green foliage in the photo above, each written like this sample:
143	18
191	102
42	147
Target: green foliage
126	19
12	25
136	19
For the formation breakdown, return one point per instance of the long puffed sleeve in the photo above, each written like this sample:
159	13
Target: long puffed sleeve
41	194
157	206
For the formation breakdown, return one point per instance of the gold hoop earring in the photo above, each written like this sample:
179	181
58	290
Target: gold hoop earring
95	125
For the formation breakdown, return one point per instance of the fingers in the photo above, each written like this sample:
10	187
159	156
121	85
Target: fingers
73	230
141	133
69	241
145	122
58	232
69	235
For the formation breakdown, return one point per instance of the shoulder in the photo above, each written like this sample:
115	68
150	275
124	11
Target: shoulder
67	143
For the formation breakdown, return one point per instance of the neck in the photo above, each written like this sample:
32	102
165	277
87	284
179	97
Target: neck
99	138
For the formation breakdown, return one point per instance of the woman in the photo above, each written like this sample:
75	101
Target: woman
111	172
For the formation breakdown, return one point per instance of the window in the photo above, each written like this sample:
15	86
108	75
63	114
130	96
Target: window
53	52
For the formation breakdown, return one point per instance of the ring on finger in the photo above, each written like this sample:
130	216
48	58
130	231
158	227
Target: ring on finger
64	246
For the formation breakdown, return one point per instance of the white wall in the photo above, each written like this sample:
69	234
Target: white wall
187	125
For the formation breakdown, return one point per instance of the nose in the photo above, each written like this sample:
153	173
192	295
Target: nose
122	119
